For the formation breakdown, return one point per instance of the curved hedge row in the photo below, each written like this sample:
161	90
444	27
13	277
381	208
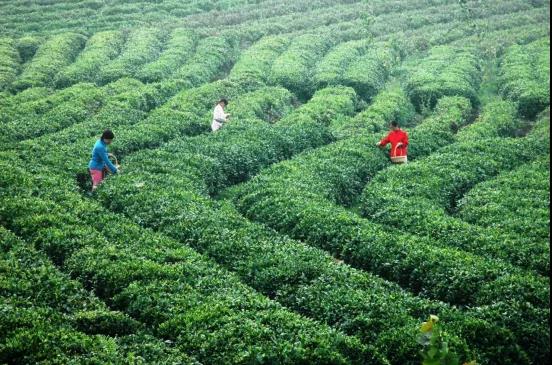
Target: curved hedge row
223	234
330	70
125	110
432	193
295	198
249	143
505	30
9	62
179	295
85	101
256	62
446	71
142	45
188	113
64	322
30	102
497	120
179	48
56	53
35	105
525	76
126	103
390	104
369	73
213	58
294	69
16	101
516	202
27	46
100	49
95	15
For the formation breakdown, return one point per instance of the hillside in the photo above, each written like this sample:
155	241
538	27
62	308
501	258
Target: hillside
287	236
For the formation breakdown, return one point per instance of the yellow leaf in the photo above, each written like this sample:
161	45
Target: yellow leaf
428	326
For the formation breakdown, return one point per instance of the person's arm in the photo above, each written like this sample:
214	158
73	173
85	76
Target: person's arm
384	142
107	161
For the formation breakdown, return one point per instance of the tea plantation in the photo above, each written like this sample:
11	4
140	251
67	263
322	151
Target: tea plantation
286	237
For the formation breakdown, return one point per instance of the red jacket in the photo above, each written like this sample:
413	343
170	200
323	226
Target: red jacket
396	137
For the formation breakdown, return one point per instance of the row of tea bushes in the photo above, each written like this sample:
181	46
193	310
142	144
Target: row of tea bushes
256	62
9	62
418	197
179	49
388	105
292	198
57	52
86	101
49	318
516	202
126	102
147	195
179	295
525	76
212	60
446	71
294	68
100	50
142	46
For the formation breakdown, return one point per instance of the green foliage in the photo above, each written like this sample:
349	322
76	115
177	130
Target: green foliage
27	47
516	202
156	264
170	288
525	76
390	104
294	69
256	62
213	57
436	346
330	70
369	73
292	198
57	52
179	48
100	49
187	113
142	46
125	104
9	62
446	71
497	119
439	130
86	100
441	180
49	318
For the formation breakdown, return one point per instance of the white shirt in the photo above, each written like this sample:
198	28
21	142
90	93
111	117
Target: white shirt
219	114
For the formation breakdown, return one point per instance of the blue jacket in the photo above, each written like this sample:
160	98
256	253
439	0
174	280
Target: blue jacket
100	158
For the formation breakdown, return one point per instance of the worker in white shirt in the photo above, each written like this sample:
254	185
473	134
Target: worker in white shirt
219	116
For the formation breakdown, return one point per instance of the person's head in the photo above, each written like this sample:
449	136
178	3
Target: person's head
394	125
107	136
223	103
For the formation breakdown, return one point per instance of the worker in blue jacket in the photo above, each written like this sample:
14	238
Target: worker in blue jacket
100	163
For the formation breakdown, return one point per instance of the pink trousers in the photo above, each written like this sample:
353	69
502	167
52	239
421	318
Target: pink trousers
97	177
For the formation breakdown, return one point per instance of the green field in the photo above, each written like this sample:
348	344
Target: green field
286	237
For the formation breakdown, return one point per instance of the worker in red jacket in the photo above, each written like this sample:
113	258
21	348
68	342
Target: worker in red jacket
399	143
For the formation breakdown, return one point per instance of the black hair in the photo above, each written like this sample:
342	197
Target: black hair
395	124
107	134
225	101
